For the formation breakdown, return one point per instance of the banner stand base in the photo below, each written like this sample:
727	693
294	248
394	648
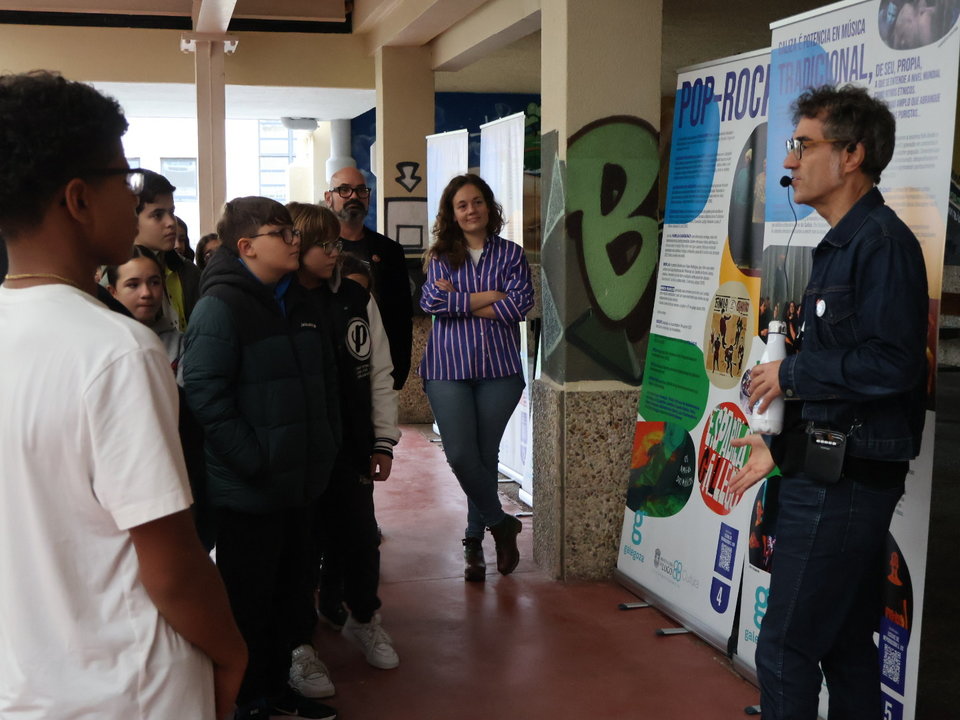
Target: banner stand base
689	623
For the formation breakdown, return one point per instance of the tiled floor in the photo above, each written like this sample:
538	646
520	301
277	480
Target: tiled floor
516	647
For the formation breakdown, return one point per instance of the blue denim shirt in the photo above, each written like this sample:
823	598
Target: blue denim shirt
862	365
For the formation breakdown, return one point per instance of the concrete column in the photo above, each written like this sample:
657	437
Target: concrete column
600	113
405	116
340	156
211	132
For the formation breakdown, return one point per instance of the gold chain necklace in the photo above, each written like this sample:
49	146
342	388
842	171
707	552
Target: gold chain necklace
46	276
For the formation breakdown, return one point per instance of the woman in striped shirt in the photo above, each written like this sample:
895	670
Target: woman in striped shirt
478	290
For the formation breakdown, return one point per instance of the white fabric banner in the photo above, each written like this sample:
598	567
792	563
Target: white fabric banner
501	165
446	158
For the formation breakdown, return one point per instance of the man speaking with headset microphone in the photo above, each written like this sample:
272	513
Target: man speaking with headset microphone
855	397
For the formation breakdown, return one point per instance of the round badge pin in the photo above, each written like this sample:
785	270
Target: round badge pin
821	308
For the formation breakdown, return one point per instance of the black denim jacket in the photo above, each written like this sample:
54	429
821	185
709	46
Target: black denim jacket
862	368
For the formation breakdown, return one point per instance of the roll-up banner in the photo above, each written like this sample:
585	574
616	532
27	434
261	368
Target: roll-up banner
501	165
907	54
446	158
684	534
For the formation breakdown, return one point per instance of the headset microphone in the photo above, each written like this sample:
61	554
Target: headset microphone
786	182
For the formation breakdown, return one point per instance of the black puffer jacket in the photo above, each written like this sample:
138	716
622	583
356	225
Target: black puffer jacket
261	380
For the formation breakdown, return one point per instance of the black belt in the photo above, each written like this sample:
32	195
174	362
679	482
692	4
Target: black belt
877	473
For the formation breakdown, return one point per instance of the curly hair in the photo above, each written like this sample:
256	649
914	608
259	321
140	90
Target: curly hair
51	131
243	216
153	184
851	115
317	224
448	240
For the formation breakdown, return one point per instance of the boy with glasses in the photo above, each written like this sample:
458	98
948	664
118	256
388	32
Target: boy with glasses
260	378
109	606
346	526
349	198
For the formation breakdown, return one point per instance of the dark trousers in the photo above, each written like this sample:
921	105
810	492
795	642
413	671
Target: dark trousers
825	600
264	563
349	543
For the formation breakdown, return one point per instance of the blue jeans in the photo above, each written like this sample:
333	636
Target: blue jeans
472	415
825	600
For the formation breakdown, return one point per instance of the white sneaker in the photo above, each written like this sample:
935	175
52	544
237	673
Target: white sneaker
308	675
376	643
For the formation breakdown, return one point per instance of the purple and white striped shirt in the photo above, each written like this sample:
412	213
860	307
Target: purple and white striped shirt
461	345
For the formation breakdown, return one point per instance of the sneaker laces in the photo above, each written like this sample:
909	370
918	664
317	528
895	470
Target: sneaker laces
375	633
310	665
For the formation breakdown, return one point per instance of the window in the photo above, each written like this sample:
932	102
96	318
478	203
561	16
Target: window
276	154
182	172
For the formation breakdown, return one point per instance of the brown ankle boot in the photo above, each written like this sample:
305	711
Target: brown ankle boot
505	535
475	568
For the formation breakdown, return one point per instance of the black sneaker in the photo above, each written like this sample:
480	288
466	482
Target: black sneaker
296	705
257	710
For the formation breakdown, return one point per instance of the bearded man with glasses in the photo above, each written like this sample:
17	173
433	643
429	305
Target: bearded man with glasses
349	198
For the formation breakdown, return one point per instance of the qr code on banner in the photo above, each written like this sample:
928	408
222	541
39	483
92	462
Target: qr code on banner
892	663
725	562
726	556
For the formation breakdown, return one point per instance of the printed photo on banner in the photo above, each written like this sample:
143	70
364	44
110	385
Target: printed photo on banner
748	201
662	469
786	271
718	460
728	331
910	24
897	621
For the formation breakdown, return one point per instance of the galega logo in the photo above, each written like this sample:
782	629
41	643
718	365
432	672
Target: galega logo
636	535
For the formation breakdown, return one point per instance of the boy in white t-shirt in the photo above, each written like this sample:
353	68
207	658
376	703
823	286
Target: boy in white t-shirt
109	606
